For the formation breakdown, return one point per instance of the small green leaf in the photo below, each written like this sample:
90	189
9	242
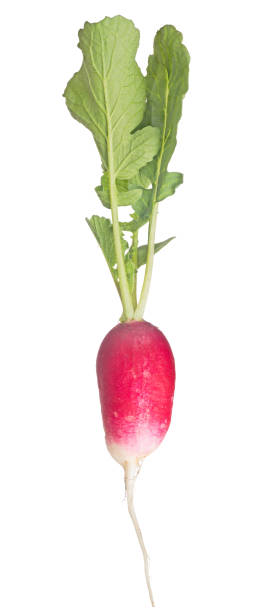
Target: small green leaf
148	172
142	211
130	270
140	179
142	250
136	150
129	198
168	182
103	232
126	197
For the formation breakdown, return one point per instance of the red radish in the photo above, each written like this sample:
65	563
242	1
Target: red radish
134	124
136	378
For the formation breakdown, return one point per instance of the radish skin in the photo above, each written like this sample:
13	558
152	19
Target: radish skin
136	379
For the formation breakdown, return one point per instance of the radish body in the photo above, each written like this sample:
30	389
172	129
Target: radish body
136	378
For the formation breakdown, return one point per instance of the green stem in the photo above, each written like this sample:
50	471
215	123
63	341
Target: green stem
149	265
134	250
151	239
126	299
152	225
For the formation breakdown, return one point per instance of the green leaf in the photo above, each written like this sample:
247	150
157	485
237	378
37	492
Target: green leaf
142	250
126	197
135	138
130	269
140	179
103	232
167	83
108	95
142	211
136	151
168	182
148	172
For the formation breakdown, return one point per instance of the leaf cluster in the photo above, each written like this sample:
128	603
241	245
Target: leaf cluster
134	122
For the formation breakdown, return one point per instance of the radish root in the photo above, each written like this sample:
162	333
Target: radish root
131	471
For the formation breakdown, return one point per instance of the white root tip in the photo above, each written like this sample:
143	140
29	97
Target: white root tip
132	469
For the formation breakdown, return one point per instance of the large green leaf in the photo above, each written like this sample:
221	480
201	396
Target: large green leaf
108	95
167	83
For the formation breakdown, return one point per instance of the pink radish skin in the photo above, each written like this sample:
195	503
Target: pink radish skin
136	378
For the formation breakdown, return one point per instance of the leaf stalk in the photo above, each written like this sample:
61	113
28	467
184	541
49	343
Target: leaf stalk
152	224
126	299
135	262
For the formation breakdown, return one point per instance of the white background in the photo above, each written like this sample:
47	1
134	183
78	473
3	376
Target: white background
66	539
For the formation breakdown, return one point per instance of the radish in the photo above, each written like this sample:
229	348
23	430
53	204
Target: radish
134	122
136	377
